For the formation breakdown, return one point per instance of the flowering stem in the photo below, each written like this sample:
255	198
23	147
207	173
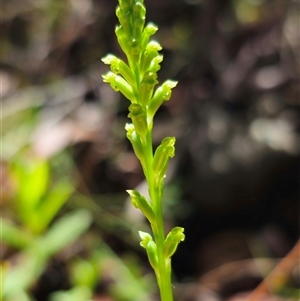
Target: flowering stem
136	80
163	273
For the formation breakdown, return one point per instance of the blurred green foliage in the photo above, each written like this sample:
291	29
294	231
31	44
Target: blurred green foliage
28	226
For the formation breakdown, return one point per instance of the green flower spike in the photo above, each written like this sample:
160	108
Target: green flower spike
136	78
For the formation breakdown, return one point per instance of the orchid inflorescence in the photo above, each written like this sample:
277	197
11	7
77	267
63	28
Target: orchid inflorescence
136	79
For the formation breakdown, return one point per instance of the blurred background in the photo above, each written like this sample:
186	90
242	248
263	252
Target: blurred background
68	229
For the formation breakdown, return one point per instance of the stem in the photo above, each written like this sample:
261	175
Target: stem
163	273
164	278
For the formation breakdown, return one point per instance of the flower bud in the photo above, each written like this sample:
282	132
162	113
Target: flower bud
151	51
134	49
149	30
138	26
163	153
140	202
152	254
150	246
139	119
123	15
147	87
161	94
125	4
138	10
118	83
155	63
172	240
135	141
117	66
138	17
145	238
122	39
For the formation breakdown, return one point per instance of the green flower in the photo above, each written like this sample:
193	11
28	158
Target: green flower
163	93
118	83
172	240
135	141
151	248
140	202
147	86
150	53
117	66
139	119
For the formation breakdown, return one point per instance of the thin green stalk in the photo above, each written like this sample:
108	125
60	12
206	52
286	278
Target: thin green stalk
137	80
163	273
164	278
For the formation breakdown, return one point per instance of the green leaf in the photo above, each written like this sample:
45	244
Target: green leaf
84	273
13	236
19	296
65	231
78	293
32	176
50	206
20	277
33	262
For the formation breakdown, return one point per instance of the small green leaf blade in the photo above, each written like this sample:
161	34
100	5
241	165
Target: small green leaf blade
50	205
32	179
14	236
65	231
